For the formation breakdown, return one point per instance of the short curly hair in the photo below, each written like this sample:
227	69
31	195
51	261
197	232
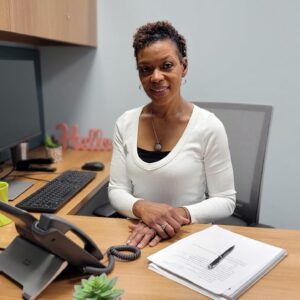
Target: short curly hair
157	31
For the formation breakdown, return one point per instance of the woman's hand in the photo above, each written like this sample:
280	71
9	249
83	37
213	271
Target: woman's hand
142	235
164	219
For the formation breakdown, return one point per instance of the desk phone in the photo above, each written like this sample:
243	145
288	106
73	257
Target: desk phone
43	250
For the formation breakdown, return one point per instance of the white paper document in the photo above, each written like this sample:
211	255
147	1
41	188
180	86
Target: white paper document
187	260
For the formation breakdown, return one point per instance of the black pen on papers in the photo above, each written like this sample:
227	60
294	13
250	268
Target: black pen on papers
220	257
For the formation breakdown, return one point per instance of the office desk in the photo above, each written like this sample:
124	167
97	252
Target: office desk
283	282
72	160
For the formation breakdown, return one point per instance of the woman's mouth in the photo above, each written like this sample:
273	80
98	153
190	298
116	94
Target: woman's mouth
159	91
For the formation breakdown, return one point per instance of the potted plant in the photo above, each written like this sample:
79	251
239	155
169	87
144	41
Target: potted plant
53	148
97	288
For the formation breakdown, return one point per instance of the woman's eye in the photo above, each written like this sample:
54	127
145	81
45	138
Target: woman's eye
167	66
144	70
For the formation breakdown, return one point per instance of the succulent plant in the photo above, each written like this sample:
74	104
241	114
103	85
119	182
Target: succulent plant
50	141
97	288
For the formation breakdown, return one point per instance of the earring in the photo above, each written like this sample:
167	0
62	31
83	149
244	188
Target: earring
184	81
140	87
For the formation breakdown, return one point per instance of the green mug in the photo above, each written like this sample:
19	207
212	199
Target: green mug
4	197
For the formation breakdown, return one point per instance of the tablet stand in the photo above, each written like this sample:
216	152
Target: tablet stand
31	266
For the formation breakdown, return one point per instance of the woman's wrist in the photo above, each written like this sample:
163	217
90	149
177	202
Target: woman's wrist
136	208
186	213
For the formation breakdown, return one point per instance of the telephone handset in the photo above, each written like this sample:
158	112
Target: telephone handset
50	232
46	239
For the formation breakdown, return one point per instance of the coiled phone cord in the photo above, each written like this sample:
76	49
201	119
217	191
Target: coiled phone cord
112	252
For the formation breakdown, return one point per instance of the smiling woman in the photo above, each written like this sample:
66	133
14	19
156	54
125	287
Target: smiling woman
167	153
161	70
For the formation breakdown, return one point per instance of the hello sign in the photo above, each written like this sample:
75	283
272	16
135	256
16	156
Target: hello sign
94	141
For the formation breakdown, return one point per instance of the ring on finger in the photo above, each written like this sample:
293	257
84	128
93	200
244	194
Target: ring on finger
163	226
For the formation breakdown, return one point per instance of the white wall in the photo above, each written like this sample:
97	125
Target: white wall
239	51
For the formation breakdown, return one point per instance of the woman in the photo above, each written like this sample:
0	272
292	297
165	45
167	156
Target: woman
167	152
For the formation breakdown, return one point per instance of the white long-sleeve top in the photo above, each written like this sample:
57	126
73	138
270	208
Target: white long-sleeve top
201	157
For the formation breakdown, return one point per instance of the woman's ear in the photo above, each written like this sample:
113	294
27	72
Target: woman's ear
185	66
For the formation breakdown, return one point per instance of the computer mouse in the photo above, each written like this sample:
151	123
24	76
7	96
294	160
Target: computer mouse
93	166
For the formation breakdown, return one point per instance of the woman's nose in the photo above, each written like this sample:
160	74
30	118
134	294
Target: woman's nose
157	75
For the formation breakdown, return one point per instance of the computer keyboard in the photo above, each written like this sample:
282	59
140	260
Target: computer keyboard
57	192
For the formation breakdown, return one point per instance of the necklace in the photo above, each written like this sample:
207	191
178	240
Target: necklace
157	146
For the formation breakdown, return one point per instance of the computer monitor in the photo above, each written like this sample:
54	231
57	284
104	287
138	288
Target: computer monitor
21	117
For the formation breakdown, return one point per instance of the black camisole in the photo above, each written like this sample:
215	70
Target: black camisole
151	156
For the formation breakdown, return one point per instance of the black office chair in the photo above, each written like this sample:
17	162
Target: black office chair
247	127
105	210
99	205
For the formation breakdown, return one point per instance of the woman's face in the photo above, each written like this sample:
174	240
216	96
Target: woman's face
161	70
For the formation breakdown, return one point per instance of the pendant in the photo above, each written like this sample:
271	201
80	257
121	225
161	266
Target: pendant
157	147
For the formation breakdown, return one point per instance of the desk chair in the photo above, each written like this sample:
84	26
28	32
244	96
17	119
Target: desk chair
99	205
247	128
105	210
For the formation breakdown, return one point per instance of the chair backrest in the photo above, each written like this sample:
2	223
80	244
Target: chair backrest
247	128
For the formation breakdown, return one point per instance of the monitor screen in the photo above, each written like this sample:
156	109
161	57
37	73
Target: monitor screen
20	115
21	111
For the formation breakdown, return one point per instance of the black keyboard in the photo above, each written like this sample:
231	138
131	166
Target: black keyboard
57	192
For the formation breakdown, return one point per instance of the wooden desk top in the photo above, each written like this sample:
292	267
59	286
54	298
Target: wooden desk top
72	160
140	283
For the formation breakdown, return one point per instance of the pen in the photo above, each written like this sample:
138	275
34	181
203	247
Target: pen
220	257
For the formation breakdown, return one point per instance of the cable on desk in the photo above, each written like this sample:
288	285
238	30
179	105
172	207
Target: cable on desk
6	175
33	178
25	176
112	252
35	173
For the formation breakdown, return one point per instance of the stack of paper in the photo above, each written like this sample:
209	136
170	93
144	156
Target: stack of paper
187	260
